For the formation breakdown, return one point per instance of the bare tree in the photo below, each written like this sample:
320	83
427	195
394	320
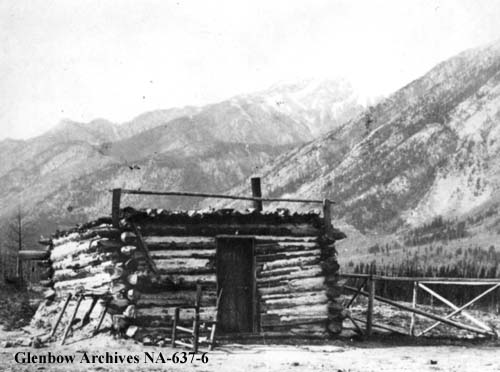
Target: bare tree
16	231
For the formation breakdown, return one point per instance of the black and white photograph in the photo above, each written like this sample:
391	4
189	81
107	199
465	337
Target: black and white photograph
250	185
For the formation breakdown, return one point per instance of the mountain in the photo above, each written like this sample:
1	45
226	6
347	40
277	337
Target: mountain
322	105
61	177
430	149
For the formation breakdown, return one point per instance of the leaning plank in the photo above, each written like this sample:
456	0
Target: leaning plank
61	313
381	326
144	248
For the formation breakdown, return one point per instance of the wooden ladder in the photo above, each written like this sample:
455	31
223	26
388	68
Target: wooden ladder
206	326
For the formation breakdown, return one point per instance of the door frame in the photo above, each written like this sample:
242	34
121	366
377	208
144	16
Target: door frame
255	307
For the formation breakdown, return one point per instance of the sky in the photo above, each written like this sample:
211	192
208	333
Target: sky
115	59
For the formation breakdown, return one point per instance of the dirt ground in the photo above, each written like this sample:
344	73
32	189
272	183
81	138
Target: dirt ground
342	355
446	350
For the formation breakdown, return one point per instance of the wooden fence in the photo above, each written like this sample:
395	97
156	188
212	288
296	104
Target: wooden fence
368	286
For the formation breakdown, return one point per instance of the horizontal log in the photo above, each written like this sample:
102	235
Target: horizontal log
185	253
266	258
73	247
285	334
278	296
299	329
184	264
83	260
311	271
428	280
262	239
315	310
34	255
276	272
189	281
298	285
95	281
290	262
307	300
171	268
275	320
229	229
179	241
66	274
176	298
206	313
278	247
103	231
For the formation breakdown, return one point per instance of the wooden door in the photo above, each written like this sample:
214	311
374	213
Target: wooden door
236	278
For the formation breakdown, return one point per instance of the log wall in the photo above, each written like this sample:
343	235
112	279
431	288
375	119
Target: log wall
296	268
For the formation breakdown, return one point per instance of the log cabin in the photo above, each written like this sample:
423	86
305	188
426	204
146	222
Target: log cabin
276	271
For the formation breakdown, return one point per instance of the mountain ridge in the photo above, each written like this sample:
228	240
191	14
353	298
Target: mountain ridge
61	177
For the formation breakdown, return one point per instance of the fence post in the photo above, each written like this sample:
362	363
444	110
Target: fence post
414	305
115	207
369	313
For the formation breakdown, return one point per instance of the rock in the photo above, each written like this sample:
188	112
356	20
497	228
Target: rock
130	311
36	343
49	294
6	344
25	341
148	340
131	331
128	237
